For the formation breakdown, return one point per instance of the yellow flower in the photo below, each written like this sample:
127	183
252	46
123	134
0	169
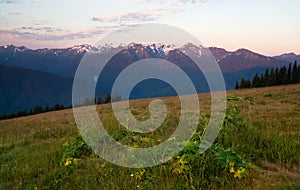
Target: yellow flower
231	170
146	139
181	162
178	170
231	164
139	175
237	174
68	162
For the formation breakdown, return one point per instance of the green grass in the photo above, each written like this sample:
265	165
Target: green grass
260	139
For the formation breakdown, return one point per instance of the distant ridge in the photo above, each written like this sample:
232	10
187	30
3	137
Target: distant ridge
44	76
65	61
23	89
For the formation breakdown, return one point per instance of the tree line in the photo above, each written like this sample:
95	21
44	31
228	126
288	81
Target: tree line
276	76
39	109
36	110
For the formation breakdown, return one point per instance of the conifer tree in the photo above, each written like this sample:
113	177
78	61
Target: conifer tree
99	101
298	80
266	78
289	74
256	81
236	85
295	73
272	78
282	75
276	82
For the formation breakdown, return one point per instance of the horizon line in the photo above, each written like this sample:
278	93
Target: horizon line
83	44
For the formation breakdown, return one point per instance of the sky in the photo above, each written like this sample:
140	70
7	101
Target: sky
269	27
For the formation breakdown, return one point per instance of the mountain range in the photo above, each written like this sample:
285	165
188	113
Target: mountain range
45	76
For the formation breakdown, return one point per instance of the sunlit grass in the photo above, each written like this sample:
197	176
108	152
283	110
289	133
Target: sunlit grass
261	128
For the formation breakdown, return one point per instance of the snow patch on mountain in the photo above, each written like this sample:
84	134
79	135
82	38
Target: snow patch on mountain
83	48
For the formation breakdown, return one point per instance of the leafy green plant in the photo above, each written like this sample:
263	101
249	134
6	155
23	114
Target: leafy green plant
75	150
232	162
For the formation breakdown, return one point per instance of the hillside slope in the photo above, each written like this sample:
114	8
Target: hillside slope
23	89
262	126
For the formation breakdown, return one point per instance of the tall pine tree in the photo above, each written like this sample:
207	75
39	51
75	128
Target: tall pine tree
294	73
256	81
282	75
276	82
289	74
236	85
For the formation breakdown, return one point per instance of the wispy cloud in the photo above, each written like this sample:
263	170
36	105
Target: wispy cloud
161	10
42	29
15	13
44	36
39	22
8	1
128	17
56	34
145	15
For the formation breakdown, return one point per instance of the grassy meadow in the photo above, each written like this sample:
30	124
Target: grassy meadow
257	148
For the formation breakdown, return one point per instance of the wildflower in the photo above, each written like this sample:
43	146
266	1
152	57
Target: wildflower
178	170
68	162
231	164
181	162
146	139
237	174
231	170
139	175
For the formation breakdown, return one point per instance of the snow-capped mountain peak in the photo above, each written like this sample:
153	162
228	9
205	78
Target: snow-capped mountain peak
168	48
83	48
193	49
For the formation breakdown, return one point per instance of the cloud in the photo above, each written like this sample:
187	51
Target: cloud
15	13
97	19
42	29
44	36
144	15
39	22
8	1
135	17
56	34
